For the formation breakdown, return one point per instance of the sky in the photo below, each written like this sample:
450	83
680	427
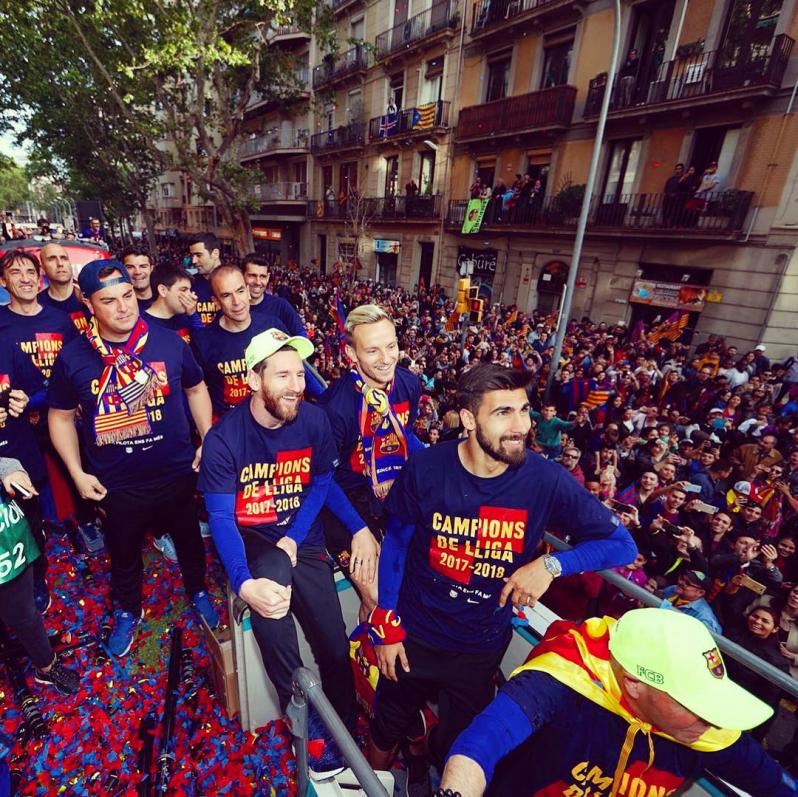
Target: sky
7	147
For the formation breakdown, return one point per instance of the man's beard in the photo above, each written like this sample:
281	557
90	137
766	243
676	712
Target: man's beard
516	458
271	401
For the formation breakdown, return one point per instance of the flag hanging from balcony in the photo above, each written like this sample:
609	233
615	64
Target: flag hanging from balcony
475	212
424	117
388	124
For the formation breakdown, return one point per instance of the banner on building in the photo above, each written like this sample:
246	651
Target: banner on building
475	212
675	295
266	233
390	247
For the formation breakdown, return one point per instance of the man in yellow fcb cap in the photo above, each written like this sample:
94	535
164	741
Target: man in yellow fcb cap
614	708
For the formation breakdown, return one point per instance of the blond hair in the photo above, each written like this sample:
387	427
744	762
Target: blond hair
364	314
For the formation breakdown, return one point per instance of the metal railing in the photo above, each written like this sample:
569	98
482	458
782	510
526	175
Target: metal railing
285	89
545	108
285	30
389	208
439	16
351	135
337	5
410	120
275	139
723	211
336	67
489	13
752	662
699	74
269	192
306	688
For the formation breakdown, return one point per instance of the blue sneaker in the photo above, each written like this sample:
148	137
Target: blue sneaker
202	603
324	757
41	594
92	537
166	547
126	626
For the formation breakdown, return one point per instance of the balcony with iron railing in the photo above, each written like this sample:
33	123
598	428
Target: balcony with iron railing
716	215
286	32
440	17
492	16
410	121
337	67
714	76
546	109
280	192
345	137
336	6
296	86
422	207
275	141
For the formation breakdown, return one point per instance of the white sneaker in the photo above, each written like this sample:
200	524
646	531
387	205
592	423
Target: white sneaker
166	547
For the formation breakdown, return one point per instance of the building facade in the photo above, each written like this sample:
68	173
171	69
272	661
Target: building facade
422	105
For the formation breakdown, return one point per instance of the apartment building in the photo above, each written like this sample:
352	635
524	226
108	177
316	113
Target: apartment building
376	160
700	82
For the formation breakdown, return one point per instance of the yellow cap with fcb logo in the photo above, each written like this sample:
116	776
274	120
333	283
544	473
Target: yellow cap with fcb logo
676	654
266	343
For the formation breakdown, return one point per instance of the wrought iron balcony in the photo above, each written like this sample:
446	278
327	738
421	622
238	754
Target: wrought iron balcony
348	137
276	140
286	32
284	191
719	214
410	121
338	67
390	208
438	17
490	15
692	77
545	109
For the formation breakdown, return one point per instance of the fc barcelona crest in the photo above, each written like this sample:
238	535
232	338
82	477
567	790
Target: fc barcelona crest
715	663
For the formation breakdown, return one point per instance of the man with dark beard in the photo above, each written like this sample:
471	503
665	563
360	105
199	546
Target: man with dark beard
465	520
266	471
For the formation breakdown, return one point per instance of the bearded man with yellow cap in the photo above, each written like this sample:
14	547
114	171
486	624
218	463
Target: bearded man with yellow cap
627	708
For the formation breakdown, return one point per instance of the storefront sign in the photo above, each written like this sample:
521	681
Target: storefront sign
714	296
674	295
477	261
390	247
266	234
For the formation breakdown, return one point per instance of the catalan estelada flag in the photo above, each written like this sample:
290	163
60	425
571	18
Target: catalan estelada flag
671	328
424	117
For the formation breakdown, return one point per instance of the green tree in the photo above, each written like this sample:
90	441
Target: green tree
13	185
173	79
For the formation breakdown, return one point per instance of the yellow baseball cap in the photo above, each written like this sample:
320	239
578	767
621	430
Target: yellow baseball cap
675	653
266	343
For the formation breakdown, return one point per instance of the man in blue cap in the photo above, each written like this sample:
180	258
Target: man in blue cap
127	379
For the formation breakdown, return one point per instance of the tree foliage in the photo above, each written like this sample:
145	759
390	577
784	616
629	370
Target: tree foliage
118	91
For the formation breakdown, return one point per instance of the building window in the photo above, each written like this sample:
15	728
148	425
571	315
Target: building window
348	178
556	63
619	178
168	190
354	106
396	91
358	29
432	85
426	172
498	79
392	176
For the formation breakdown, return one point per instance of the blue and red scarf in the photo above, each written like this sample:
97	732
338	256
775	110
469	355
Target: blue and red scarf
384	438
126	385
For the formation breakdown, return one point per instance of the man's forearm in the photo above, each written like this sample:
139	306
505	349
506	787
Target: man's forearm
392	561
199	404
64	437
464	776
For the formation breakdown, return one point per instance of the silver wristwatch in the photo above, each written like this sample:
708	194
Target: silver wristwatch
552	565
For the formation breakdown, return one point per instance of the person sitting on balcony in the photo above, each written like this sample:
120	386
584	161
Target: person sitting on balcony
628	80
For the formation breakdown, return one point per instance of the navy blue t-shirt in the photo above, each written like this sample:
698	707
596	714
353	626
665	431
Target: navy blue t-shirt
221	356
276	307
153	459
72	306
39	336
179	323
144	304
206	307
471	533
342	403
268	470
16	434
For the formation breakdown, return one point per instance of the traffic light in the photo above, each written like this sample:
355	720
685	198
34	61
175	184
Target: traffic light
463	286
477	310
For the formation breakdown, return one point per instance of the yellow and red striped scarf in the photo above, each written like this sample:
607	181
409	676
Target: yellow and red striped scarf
126	385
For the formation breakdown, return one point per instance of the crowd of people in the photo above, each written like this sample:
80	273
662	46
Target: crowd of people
672	464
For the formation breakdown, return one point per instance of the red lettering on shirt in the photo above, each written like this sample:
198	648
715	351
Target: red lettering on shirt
235	389
449	558
255	505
